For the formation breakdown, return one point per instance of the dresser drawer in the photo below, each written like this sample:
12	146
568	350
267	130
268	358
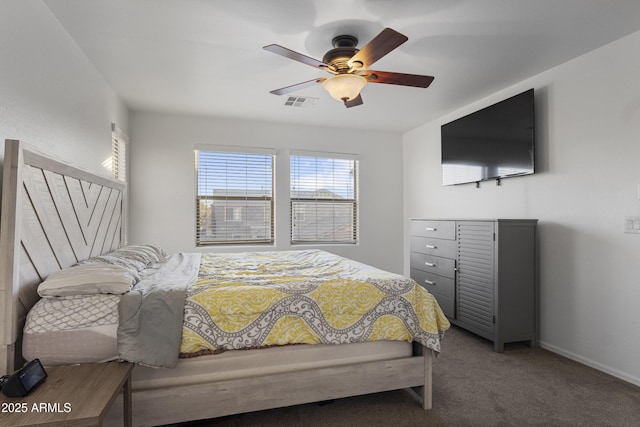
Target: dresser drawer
447	305
434	284
438	247
442	288
431	228
433	264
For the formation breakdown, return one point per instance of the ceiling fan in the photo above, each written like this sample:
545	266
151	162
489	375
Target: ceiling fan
349	67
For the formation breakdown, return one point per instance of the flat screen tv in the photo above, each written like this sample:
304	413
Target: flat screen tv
493	143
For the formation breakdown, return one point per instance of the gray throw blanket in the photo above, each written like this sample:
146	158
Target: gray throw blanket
151	314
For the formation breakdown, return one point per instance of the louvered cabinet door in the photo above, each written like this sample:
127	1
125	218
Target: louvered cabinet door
475	277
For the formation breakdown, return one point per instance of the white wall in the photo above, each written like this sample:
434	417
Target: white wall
588	171
162	180
51	96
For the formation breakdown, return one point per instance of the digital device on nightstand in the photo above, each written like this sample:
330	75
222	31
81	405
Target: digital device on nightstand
26	379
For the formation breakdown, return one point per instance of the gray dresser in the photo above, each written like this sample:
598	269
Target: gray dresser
483	274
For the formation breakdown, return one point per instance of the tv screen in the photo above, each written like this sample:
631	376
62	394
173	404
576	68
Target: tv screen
493	143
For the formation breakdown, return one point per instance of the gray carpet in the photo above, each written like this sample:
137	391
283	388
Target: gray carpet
473	386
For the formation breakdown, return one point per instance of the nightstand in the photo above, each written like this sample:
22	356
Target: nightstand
71	396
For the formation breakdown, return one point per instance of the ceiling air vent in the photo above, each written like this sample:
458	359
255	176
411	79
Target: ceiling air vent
299	101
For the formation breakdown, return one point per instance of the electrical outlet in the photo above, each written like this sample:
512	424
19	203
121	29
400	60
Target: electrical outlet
632	224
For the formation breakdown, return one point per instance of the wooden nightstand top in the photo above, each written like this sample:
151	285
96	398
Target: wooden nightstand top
71	396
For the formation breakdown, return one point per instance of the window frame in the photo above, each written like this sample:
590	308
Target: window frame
354	201
269	240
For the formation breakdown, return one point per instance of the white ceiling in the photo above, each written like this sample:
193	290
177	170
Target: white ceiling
205	56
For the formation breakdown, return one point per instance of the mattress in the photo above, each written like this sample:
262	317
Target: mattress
82	345
77	329
84	330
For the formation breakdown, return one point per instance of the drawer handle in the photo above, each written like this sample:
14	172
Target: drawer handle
431	229
429	264
429	282
431	246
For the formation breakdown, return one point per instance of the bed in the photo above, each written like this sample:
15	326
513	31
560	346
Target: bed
55	216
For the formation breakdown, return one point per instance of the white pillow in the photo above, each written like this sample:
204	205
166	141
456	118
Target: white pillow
87	279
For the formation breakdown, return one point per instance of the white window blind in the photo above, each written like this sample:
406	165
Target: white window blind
234	198
119	157
324	200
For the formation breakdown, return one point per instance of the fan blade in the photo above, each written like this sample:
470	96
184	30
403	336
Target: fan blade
402	79
288	53
381	44
354	102
297	86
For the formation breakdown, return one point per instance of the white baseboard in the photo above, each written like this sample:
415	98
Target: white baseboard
599	366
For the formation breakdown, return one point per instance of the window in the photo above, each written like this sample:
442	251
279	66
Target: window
118	153
234	197
324	201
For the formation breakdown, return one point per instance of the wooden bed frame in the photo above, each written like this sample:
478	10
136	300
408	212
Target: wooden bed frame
54	215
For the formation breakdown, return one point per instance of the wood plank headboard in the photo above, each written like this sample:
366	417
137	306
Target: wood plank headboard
53	215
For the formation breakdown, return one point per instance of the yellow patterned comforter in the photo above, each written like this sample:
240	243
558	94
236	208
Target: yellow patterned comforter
249	300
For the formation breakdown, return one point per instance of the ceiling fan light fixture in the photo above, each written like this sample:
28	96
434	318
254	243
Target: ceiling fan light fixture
344	87
348	63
